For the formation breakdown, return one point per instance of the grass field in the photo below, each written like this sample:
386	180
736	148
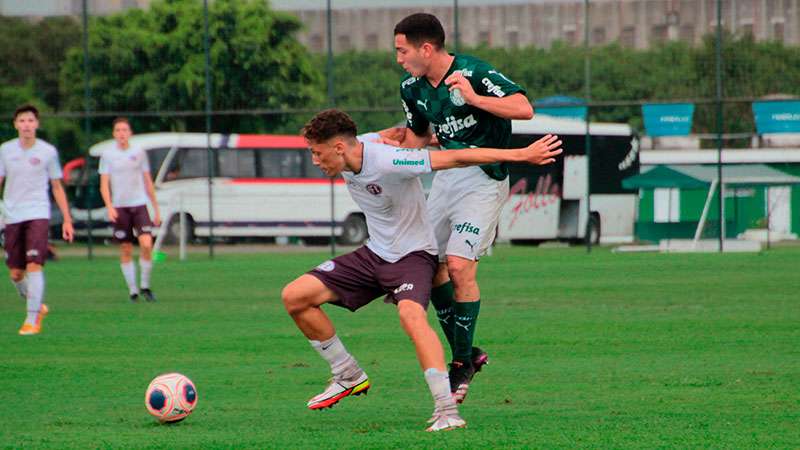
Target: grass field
588	351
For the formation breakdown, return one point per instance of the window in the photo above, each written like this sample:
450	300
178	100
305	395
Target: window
344	43
777	31
316	43
599	36
188	163
372	41
513	39
687	33
659	33
628	37
156	157
237	163
484	38
281	163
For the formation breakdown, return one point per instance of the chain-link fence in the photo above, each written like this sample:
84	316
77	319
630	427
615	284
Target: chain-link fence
632	86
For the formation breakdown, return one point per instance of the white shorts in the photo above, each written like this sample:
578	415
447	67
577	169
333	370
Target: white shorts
464	205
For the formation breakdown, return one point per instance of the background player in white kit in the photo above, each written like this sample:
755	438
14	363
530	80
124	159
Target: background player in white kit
125	185
399	259
27	166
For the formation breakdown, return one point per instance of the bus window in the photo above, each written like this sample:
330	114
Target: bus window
156	157
281	163
237	163
309	169
188	163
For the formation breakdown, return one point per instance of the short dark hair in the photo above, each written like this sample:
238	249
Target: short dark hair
121	120
26	108
420	28
328	124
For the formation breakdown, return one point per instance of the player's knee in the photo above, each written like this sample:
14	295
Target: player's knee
412	315
17	275
126	249
294	299
461	270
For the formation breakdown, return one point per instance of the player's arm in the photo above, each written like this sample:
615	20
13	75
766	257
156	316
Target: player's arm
540	153
67	232
105	192
494	93
151	194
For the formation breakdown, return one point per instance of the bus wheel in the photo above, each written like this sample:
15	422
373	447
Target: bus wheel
174	229
594	228
354	230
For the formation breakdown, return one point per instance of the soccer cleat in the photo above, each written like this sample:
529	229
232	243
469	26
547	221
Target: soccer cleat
339	389
460	377
29	329
43	310
148	295
134	298
479	358
445	422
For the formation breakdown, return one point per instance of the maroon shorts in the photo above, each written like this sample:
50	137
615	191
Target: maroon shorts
131	222
26	242
361	276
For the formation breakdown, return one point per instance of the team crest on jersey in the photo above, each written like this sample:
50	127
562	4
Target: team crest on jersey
374	189
456	98
327	266
119	234
35	161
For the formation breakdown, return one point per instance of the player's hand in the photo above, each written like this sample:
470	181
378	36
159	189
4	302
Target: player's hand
67	232
457	80
392	136
543	151
157	220
112	214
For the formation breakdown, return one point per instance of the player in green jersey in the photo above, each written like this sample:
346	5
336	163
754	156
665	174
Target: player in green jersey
467	103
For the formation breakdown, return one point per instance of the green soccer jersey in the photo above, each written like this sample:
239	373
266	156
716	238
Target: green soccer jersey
457	124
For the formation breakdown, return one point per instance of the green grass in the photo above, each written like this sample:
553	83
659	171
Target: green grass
588	351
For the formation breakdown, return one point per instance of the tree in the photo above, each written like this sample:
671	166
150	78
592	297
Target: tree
153	60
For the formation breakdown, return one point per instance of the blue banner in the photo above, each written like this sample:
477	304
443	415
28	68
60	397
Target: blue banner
671	119
777	117
562	106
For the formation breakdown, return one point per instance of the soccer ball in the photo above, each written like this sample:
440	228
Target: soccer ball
170	397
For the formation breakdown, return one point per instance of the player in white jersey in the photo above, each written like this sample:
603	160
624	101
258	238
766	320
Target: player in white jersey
125	185
399	259
29	166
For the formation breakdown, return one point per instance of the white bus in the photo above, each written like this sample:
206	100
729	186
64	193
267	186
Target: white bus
549	202
264	186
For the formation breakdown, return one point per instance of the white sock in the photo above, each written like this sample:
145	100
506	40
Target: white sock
439	384
342	363
129	272
145	267
35	295
22	287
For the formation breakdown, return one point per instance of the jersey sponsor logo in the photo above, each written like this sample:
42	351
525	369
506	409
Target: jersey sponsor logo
493	88
35	161
374	189
466	72
453	125
467	227
424	104
408	82
408	162
327	266
119	234
404	287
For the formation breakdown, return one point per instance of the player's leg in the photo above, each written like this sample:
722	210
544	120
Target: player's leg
442	296
431	358
36	235
14	247
302	299
143	227
123	235
479	200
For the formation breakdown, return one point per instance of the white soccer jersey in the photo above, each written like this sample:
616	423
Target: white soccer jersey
389	192
27	179
125	168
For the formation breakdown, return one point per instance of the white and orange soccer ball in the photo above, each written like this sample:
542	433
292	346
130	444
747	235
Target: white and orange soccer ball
170	397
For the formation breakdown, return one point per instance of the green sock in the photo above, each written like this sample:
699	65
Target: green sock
466	317
442	299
